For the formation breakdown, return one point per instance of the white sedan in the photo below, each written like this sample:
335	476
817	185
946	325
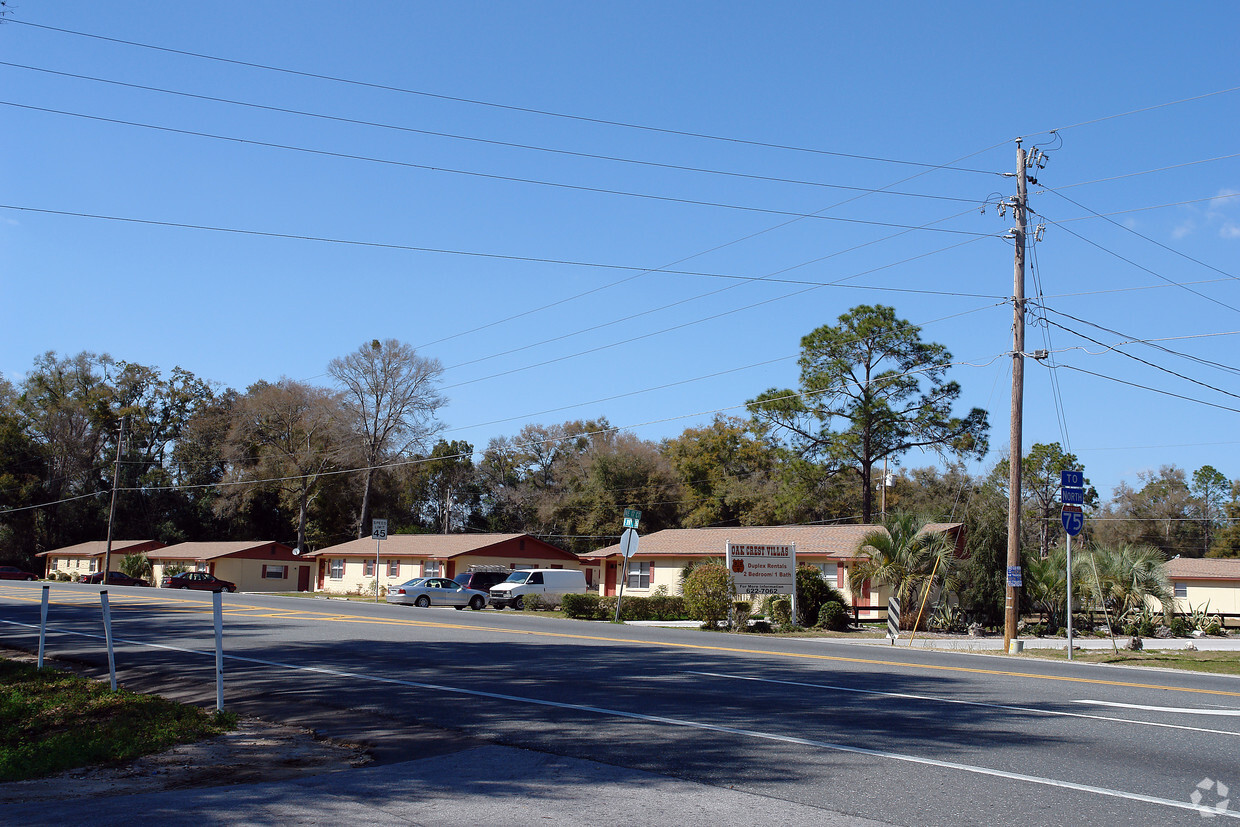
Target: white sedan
436	591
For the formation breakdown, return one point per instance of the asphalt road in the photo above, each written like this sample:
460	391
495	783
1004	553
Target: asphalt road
899	736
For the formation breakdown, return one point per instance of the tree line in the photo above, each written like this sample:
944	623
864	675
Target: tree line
311	464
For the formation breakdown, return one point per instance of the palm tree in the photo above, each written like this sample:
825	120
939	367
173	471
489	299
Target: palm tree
905	557
1127	577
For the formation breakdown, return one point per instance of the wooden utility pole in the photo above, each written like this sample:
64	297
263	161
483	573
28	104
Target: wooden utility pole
116	473
1011	611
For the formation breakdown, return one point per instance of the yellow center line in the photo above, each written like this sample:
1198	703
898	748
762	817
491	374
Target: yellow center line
296	614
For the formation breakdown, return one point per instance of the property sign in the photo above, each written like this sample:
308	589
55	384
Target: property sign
763	569
632	517
378	529
1013	577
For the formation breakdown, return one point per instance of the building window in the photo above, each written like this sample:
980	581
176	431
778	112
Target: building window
368	568
639	576
200	566
1181	590
393	568
275	572
830	571
430	568
337	569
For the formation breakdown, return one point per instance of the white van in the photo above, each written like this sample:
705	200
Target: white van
551	582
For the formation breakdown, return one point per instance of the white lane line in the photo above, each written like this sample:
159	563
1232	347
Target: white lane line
1005	707
1231	713
701	725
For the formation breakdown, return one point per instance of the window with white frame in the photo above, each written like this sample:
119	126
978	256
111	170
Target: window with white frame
94	565
430	568
830	572
368	568
639	575
1181	590
275	572
337	569
393	568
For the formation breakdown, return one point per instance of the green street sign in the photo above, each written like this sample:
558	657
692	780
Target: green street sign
631	517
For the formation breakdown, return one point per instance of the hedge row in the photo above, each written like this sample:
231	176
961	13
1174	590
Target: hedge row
594	607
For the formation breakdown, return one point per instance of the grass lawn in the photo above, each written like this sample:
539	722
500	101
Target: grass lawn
1222	663
52	721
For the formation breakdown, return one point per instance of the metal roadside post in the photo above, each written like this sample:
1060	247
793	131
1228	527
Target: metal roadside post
1072	495
378	531
107	635
43	624
628	547
217	609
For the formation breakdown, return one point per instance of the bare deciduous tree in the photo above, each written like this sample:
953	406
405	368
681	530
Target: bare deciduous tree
391	397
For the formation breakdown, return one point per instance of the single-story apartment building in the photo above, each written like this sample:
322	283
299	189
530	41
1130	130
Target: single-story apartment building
254	565
1198	582
350	567
660	557
87	558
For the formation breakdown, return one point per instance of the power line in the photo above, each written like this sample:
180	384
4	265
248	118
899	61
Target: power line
1143	267
1150	171
1144	237
491	141
494	105
1148	108
1152	342
1148	388
511	179
1116	349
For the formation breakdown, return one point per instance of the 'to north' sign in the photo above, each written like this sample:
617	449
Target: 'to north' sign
763	568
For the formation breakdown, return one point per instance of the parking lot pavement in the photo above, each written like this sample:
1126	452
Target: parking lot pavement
488	784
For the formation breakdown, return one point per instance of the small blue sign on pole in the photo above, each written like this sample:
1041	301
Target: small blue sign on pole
1072	479
1013	576
1074	496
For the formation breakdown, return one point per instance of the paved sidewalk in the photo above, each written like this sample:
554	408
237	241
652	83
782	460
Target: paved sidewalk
483	785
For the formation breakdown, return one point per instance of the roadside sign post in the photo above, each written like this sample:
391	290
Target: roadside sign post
43	624
893	619
107	634
1072	495
217	611
378	531
628	547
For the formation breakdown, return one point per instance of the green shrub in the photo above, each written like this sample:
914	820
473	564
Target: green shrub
812	594
833	616
1180	627
580	606
781	611
760	627
606	609
535	602
708	593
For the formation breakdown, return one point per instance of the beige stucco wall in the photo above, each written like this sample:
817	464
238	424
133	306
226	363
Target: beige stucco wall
355	579
81	566
1221	596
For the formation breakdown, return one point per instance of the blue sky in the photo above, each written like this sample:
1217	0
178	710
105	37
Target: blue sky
785	98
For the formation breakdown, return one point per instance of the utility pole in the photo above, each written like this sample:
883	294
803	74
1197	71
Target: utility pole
1012	605
116	473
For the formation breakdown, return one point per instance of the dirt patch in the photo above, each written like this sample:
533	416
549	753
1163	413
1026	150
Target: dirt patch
256	751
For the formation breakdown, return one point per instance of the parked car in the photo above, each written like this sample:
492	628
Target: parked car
436	591
197	580
524	582
115	578
14	573
481	580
